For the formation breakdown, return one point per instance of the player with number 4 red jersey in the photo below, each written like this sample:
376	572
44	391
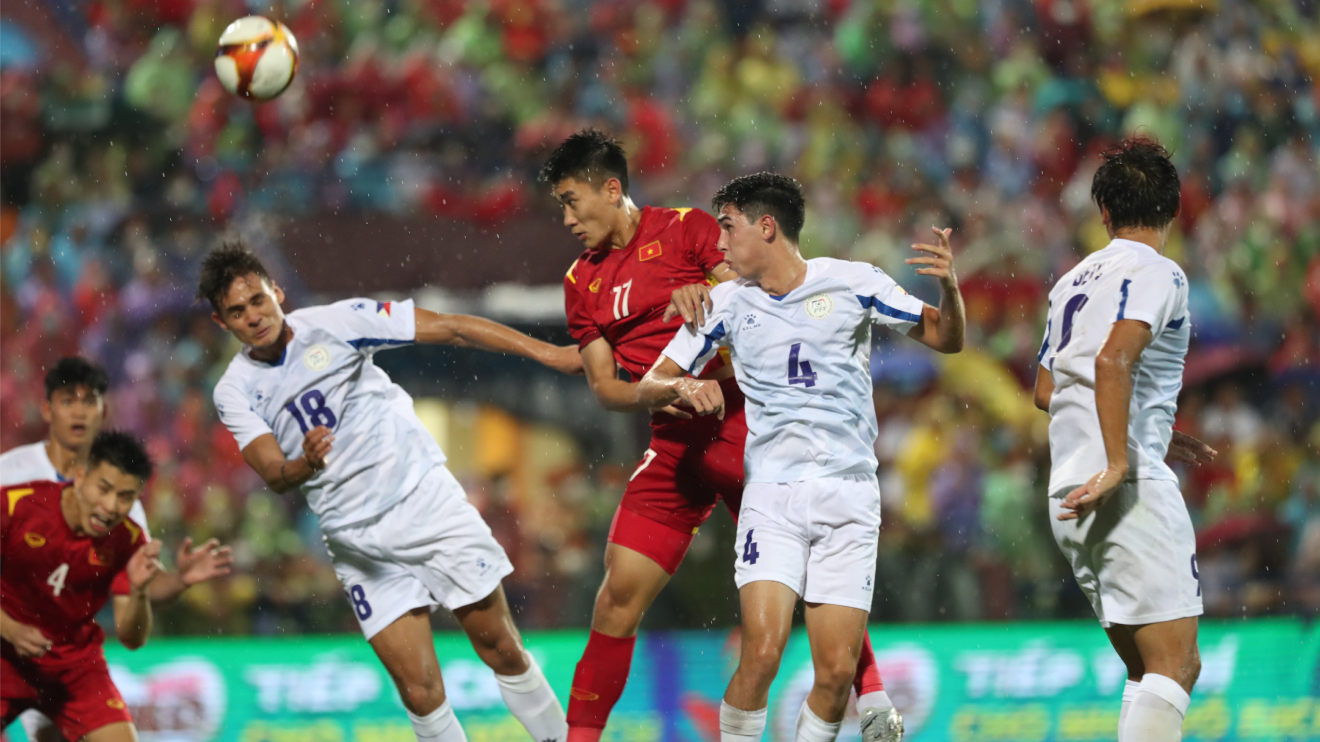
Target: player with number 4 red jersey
67	548
617	296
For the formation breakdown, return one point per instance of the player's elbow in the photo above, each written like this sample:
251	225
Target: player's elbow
131	637
952	344
1111	363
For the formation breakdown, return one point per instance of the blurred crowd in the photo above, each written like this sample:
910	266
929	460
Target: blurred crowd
121	158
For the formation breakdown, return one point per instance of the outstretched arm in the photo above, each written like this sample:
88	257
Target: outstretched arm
467	331
133	611
194	565
1113	394
940	329
667	383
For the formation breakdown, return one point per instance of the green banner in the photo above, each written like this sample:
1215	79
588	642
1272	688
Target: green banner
1260	680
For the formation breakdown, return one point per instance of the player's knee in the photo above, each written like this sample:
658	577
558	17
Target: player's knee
504	655
835	672
1192	667
761	659
424	696
617	604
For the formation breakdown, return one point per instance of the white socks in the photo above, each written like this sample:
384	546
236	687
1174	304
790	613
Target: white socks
438	726
1157	711
879	700
1129	692
811	728
737	725
531	700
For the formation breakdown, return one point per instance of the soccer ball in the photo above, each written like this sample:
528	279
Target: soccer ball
256	58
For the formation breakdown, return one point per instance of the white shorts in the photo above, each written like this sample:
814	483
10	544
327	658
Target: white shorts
818	536
430	549
1135	558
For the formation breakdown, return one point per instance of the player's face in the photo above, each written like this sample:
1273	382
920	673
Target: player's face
592	214
103	494
743	243
251	310
74	414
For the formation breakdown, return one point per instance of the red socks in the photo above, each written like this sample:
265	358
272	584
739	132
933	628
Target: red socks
598	682
868	678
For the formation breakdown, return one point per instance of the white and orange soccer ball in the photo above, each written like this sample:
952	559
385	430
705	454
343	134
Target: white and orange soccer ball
256	58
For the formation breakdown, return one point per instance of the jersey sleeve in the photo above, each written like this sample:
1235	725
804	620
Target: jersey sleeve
1150	292
701	239
369	325
138	529
580	326
237	415
885	302
693	349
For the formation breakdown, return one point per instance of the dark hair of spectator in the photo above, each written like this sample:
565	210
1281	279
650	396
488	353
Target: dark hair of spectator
73	372
766	193
122	451
1137	184
589	155
222	266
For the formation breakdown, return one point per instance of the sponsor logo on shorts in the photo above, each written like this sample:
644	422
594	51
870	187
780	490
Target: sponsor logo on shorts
820	306
868	584
317	358
35	540
115	703
583	695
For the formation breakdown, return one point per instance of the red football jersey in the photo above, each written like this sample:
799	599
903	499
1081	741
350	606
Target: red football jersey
621	295
54	579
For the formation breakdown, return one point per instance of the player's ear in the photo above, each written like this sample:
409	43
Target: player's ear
613	190
768	227
45	410
278	292
215	317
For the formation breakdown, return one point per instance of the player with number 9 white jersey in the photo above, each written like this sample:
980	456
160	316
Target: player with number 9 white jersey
1149	572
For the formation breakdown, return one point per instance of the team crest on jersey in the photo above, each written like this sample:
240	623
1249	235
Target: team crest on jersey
820	306
595	286
115	703
647	252
317	358
383	308
99	558
35	540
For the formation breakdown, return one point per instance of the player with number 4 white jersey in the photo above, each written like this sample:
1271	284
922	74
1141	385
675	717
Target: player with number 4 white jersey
310	409
799	338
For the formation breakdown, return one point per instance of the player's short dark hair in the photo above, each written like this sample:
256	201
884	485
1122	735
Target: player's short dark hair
122	451
766	193
589	155
224	264
73	372
1137	184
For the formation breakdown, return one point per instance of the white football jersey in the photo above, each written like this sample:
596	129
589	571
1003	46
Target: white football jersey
804	362
31	464
1125	280
326	377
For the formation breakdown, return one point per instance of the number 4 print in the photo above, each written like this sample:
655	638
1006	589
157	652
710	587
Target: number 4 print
799	372
750	554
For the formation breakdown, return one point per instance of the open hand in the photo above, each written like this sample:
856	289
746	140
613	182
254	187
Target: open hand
143	566
203	563
691	302
1188	450
938	258
316	446
1091	496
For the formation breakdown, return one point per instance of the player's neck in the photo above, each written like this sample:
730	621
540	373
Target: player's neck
69	509
1157	239
631	219
65	460
272	352
784	273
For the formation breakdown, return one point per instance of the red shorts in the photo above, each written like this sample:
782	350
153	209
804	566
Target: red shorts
79	698
688	467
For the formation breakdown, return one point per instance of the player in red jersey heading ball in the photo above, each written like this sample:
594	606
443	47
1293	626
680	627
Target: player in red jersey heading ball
617	294
67	547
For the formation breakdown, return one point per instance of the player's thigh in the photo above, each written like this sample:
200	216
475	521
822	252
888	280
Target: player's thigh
845	537
668	487
772	543
835	633
406	649
90	703
489	625
121	731
767	622
1169	648
657	541
17	696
